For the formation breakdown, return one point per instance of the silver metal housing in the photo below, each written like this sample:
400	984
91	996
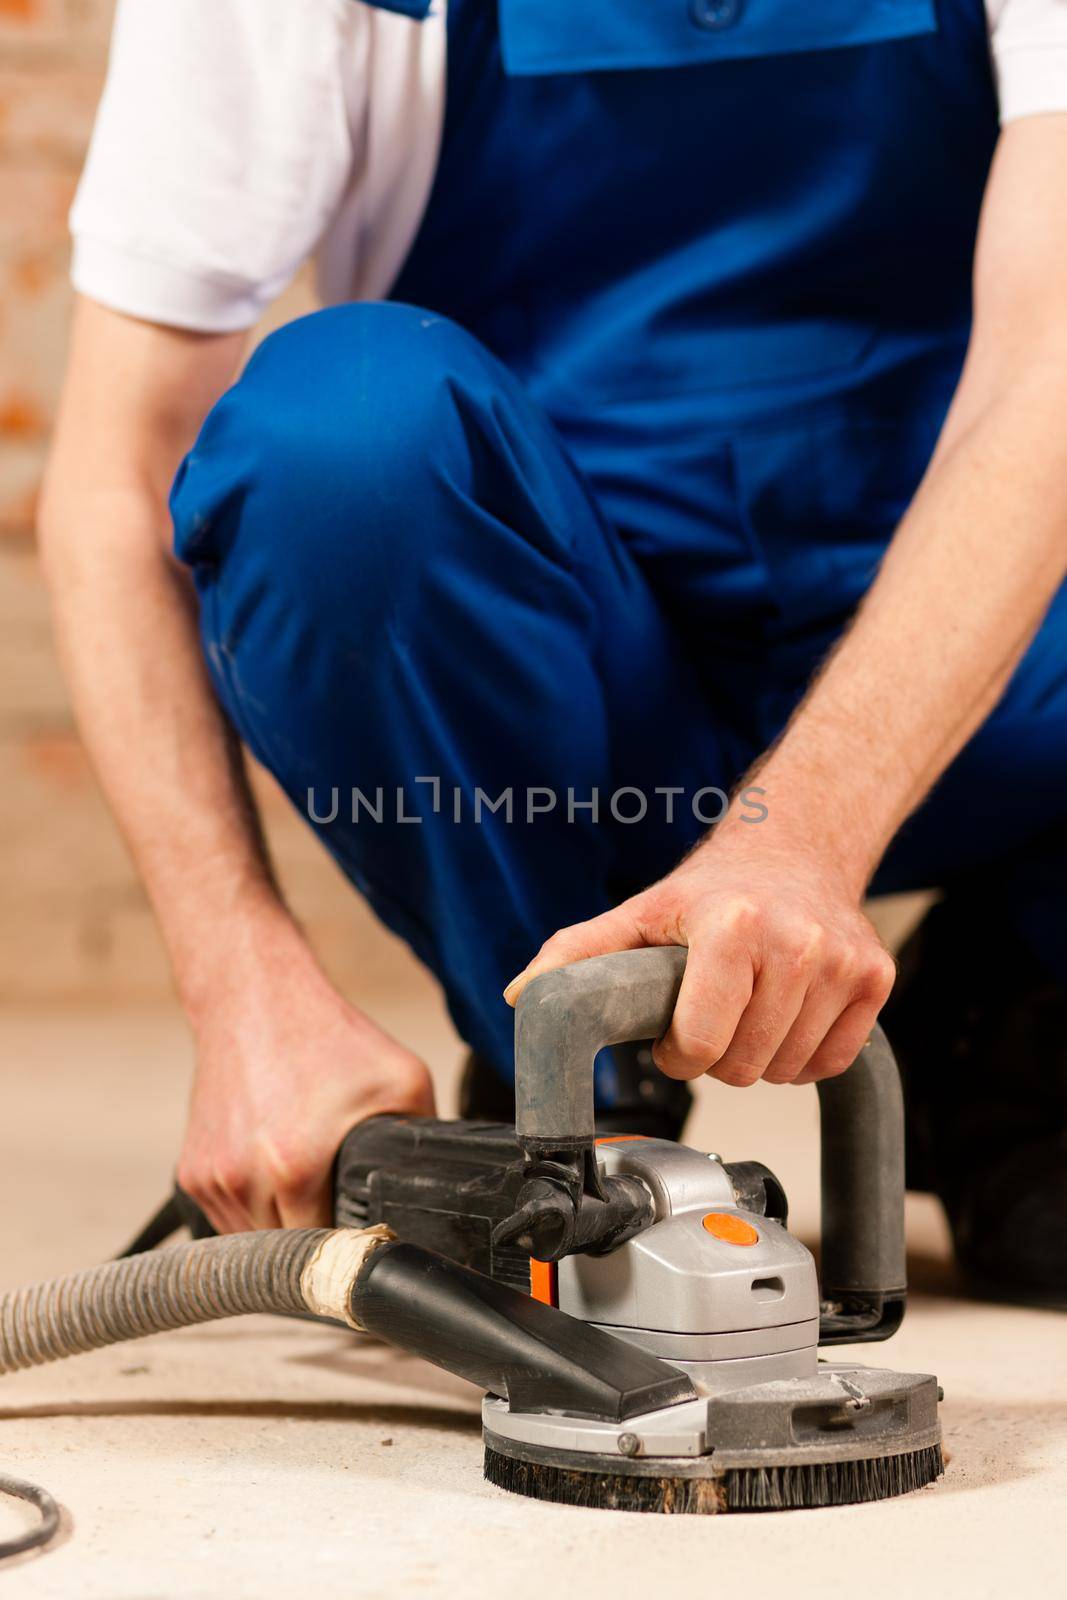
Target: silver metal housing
728	1314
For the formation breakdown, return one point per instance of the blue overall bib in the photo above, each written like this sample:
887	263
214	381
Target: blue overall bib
579	510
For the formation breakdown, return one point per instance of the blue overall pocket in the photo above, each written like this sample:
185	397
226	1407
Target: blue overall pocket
550	36
718	227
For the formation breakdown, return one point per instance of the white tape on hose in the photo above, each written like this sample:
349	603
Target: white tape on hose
326	1282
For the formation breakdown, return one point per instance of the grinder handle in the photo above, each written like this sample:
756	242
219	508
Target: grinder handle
864	1270
564	1017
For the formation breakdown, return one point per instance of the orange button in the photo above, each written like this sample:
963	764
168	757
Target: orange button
730	1229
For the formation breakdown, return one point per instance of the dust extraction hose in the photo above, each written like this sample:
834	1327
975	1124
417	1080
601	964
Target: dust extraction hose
310	1270
286	1271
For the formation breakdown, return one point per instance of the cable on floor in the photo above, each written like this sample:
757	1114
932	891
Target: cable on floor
42	1531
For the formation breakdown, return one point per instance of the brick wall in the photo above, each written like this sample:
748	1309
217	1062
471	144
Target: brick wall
74	923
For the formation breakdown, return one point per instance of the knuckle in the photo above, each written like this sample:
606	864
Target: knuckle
839	963
743	914
413	1085
232	1179
686	1055
803	944
810	938
738	1069
880	976
296	1180
782	1072
555	945
672	1065
789	1061
737	1076
192	1180
653	907
831	1065
291	1175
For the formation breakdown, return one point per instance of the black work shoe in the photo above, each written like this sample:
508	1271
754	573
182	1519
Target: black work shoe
980	1032
644	1102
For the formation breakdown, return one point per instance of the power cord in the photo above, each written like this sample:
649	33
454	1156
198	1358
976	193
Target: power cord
43	1531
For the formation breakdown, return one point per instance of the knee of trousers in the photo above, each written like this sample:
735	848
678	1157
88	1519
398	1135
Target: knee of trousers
344	451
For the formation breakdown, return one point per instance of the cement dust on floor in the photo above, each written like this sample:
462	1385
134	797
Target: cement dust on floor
262	1458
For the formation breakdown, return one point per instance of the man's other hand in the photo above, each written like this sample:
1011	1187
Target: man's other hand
285	1067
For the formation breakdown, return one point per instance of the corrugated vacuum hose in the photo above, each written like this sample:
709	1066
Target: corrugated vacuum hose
310	1270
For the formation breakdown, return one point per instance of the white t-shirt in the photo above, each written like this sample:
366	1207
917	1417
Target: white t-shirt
235	138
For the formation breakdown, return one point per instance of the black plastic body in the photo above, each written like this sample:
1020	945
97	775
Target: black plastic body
444	1185
534	1356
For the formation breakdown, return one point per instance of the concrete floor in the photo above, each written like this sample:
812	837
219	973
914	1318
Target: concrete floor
266	1459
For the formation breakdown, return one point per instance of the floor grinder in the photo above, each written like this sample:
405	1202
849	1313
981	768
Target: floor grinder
645	1327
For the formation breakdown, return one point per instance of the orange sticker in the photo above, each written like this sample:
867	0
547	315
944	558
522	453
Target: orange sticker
729	1228
543	1281
621	1138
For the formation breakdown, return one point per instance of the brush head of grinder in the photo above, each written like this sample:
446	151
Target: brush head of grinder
846	1435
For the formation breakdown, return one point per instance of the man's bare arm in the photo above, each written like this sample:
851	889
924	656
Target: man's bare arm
983	548
785	974
265	1018
133	401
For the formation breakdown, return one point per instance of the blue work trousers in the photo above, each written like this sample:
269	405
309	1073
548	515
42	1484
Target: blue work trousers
413	607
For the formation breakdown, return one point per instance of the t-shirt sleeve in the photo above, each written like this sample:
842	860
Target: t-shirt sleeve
225	141
1029	44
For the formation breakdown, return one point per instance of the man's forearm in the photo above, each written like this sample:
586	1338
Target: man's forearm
168	764
960	595
126	623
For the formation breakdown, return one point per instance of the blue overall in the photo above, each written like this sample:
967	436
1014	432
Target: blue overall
583	506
